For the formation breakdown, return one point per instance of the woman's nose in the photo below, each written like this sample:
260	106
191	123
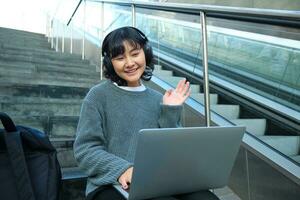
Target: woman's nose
129	61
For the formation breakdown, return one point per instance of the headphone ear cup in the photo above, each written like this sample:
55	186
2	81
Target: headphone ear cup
148	54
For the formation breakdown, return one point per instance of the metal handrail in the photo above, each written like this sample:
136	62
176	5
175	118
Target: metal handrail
266	16
80	1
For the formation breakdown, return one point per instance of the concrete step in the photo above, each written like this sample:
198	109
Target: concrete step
19	37
255	126
227	111
37	70
36	51
18	78
36	60
47	56
26	67
5	38
9	31
288	145
200	98
44	91
40	106
50	75
41	45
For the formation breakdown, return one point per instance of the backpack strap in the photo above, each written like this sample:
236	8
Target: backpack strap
17	159
7	122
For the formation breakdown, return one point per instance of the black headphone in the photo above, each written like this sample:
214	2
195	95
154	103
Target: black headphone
109	71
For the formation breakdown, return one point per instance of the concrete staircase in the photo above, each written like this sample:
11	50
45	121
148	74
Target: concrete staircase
42	88
288	145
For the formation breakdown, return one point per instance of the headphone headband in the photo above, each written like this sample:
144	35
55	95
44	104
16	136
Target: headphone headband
107	37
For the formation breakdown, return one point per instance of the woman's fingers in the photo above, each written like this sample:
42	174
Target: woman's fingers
186	88
180	85
183	87
124	184
125	178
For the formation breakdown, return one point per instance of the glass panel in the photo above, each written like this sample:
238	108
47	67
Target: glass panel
267	61
116	16
167	31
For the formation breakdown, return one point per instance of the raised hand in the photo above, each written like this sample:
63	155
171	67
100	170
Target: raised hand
179	95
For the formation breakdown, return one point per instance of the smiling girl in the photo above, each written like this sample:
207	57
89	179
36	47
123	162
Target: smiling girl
115	110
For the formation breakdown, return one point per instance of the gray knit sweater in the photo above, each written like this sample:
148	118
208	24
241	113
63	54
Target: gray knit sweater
109	121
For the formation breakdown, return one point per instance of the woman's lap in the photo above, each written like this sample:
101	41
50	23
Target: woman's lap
109	193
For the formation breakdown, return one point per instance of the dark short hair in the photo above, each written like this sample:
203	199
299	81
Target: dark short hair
113	46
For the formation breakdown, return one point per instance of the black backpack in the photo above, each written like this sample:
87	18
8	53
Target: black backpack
28	164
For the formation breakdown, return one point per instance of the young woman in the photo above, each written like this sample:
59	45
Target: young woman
114	111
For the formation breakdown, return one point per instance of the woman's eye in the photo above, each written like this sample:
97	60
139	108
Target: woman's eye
119	58
135	53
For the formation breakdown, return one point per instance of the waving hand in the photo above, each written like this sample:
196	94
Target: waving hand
179	95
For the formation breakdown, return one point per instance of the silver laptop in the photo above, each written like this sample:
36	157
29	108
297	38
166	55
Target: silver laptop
181	160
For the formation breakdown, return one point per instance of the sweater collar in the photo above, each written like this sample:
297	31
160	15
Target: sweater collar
134	89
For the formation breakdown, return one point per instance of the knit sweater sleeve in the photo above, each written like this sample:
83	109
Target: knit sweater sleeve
101	166
170	116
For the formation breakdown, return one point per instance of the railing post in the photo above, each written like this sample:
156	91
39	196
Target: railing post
133	15
63	39
84	29
48	28
51	32
71	42
102	37
205	68
56	39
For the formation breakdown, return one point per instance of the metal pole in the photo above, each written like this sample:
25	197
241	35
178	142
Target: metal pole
133	15
56	40
63	39
158	55
205	69
48	28
71	42
84	29
102	37
51	32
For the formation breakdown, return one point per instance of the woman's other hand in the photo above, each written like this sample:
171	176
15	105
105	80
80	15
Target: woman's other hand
179	95
125	178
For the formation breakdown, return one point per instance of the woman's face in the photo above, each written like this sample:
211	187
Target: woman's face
130	65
